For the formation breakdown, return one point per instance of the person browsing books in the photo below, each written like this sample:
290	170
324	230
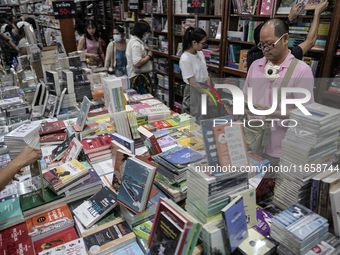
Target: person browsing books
300	50
268	72
91	42
116	52
194	71
26	157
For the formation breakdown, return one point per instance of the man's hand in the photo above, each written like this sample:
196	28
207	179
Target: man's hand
321	7
28	156
295	11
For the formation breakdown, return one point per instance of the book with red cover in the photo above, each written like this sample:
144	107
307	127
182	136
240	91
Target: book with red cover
149	127
57	137
266	7
15	240
57	239
177	217
149	141
161	124
52	127
97	111
96	144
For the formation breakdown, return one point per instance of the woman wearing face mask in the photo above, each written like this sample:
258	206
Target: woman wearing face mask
116	52
138	59
194	71
91	43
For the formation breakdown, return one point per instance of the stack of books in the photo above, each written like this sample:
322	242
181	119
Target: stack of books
97	149
52	139
206	202
84	189
10	212
309	148
298	229
66	176
158	113
172	173
52	127
19	138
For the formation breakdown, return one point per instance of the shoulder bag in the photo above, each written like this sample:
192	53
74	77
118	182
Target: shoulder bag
256	138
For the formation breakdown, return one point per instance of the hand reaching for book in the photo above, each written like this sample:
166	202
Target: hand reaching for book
321	6
295	11
28	156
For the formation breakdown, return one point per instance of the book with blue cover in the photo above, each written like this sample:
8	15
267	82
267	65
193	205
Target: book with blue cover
184	156
235	222
208	137
136	184
127	142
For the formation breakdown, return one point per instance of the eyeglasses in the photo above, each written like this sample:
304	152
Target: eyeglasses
204	43
269	46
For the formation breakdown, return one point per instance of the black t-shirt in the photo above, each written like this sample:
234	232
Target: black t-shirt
255	53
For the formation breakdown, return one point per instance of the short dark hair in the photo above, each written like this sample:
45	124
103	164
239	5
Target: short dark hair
140	28
120	29
192	34
280	27
93	24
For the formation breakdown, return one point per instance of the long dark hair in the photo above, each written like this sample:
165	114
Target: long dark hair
192	34
93	24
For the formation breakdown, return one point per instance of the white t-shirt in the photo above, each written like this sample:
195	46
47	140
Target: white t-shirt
193	66
135	51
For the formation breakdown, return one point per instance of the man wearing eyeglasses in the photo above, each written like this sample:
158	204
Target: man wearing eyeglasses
268	72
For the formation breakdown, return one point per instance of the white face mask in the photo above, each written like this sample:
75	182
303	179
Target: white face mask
117	38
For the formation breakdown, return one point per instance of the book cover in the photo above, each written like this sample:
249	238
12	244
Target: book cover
75	247
119	166
15	241
264	223
72	151
231	146
34	199
249	200
126	142
136	184
55	240
59	151
84	110
93	209
94	178
266	7
243	60
160	124
183	157
235	221
166	141
214	236
10	210
167	235
60	176
52	127
57	137
149	141
49	222
37	177
96	144
108	237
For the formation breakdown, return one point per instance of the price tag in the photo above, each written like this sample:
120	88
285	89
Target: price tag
64	9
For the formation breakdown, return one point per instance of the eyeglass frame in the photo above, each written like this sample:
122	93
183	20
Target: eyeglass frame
204	44
273	44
